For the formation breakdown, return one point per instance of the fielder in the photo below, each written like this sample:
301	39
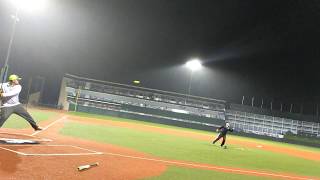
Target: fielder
10	102
223	133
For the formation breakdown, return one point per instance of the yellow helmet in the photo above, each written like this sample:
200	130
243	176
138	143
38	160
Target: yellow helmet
13	77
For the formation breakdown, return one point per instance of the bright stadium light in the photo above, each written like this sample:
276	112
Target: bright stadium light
20	5
194	64
29	5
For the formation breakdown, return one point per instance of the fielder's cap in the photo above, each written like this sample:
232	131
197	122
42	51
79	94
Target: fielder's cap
13	77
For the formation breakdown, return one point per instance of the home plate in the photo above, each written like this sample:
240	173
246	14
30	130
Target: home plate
259	146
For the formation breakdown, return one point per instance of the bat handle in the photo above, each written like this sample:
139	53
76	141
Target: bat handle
95	164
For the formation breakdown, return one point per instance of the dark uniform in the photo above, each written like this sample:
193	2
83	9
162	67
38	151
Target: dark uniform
223	134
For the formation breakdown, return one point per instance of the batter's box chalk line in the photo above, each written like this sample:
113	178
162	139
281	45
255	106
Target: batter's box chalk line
20	138
45	128
89	152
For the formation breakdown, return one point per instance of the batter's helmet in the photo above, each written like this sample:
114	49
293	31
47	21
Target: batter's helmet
13	77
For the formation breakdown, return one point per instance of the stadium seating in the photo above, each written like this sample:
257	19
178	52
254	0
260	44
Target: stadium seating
101	96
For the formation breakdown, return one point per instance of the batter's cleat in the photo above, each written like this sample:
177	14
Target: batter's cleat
38	128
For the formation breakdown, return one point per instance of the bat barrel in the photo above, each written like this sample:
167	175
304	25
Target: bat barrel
85	167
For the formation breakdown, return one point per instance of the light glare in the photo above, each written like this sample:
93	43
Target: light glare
194	64
30	5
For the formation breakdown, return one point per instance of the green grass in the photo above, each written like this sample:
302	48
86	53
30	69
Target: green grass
280	144
183	148
178	173
269	142
297	138
17	122
111	118
187	149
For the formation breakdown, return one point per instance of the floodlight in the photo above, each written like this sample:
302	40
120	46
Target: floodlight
194	64
29	5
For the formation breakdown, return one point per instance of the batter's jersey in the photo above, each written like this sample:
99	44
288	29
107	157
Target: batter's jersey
10	95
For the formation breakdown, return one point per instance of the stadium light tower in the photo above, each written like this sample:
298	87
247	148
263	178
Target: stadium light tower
193	65
20	5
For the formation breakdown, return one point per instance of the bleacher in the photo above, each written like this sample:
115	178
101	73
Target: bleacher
103	97
89	95
253	120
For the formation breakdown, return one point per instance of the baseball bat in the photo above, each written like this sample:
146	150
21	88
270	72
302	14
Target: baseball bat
88	166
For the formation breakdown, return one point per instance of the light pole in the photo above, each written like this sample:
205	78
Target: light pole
4	70
25	5
193	65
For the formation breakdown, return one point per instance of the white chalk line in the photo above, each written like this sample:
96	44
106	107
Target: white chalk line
16	134
62	118
210	167
22	134
62	154
91	152
17	152
41	140
142	158
86	149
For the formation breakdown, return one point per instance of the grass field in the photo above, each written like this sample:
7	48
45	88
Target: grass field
192	150
178	173
186	149
17	122
213	134
174	147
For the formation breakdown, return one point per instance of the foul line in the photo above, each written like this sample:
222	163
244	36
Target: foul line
64	117
18	152
211	167
86	149
64	154
91	152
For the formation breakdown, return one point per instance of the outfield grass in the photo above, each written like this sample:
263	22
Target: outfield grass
183	148
213	134
173	147
16	122
178	173
297	138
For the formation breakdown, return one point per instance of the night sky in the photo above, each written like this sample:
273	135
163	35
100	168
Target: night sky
264	49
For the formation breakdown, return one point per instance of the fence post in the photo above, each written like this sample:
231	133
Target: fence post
77	97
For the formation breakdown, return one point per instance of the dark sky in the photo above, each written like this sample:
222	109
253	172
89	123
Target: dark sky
267	49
